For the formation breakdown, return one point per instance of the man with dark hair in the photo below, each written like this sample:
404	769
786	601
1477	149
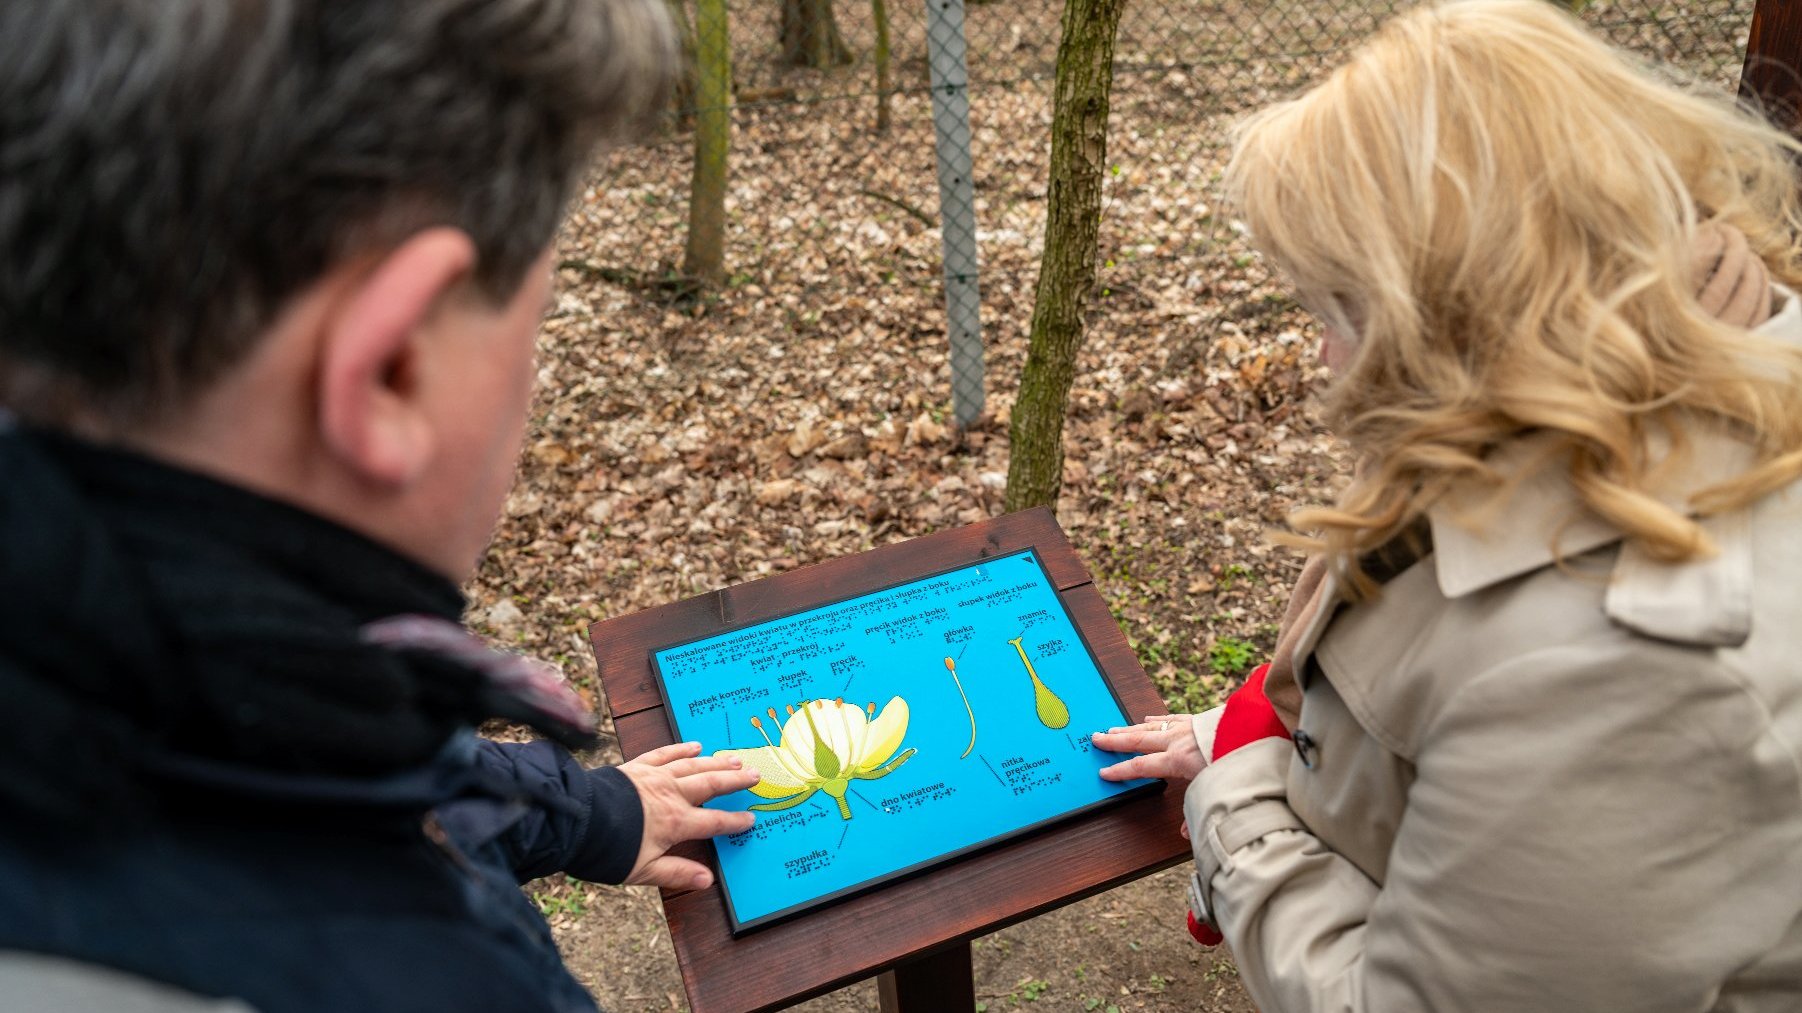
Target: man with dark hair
270	274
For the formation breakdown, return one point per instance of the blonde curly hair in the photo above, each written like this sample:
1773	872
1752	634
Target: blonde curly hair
1500	210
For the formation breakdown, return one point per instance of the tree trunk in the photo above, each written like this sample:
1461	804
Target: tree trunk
706	257
1085	79
810	35
879	12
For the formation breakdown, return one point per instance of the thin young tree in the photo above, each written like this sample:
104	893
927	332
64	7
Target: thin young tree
1085	79
705	260
879	13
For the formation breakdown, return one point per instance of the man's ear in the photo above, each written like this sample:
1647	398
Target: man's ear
371	416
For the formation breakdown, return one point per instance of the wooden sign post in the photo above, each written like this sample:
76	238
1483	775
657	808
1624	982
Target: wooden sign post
914	933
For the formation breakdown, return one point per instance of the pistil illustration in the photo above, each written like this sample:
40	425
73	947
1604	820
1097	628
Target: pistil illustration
1052	712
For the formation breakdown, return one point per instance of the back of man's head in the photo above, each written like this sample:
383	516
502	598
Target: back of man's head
171	171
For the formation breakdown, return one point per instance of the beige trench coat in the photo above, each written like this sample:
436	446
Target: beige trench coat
1525	787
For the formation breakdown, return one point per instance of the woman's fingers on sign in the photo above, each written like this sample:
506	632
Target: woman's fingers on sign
1166	745
1128	740
1148	765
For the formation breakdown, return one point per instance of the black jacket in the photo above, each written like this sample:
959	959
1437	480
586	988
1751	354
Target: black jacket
211	777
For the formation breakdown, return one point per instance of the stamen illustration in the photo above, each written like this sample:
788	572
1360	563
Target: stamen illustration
951	666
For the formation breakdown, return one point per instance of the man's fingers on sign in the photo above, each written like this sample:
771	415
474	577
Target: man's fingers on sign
664	755
704	823
1166	746
702	788
672	873
701	764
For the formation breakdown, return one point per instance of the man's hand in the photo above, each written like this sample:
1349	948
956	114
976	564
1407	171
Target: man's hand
1166	745
672	782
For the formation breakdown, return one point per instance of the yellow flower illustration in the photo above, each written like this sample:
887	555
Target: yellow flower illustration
825	746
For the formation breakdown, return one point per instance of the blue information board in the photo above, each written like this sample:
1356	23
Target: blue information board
894	730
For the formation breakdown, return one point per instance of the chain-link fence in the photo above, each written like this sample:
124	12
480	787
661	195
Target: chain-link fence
831	190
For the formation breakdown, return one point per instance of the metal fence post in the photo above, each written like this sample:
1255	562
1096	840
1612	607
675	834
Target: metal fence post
945	51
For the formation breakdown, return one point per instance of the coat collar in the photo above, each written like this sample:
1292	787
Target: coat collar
1480	544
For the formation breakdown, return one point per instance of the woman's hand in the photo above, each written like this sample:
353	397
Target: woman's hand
1166	744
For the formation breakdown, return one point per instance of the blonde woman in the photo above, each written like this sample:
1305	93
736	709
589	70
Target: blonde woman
1548	754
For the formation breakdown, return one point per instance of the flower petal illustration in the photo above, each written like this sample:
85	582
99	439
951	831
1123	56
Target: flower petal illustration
887	768
885	735
825	745
799	741
848	727
789	803
780	779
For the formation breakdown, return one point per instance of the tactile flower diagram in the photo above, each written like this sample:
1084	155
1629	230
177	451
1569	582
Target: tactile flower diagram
825	745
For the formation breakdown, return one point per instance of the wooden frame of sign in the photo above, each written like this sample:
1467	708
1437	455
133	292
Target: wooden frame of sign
1773	68
916	932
